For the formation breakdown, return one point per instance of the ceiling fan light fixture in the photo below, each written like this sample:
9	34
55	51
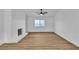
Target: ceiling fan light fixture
42	12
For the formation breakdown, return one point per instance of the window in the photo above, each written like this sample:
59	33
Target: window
39	23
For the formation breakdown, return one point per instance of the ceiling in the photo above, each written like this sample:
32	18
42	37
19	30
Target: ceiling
33	12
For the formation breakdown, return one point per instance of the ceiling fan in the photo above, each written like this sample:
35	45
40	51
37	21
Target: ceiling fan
42	12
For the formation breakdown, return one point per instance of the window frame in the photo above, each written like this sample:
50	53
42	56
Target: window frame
40	25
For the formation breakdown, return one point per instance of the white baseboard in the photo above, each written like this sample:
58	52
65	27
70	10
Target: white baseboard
1	43
21	37
16	40
68	39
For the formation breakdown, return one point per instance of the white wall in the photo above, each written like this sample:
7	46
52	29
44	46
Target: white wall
18	17
49	24
1	27
6	22
26	23
10	22
67	25
7	25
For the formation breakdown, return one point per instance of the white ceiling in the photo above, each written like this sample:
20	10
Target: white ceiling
33	12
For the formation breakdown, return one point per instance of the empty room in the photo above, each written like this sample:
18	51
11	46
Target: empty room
39	29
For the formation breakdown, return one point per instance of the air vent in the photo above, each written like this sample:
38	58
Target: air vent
19	32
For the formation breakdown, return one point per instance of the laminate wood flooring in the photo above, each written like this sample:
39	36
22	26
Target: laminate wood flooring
40	41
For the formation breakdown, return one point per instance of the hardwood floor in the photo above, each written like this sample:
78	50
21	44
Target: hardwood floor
40	41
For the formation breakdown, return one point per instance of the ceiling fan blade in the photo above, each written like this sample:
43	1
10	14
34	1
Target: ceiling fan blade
45	12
